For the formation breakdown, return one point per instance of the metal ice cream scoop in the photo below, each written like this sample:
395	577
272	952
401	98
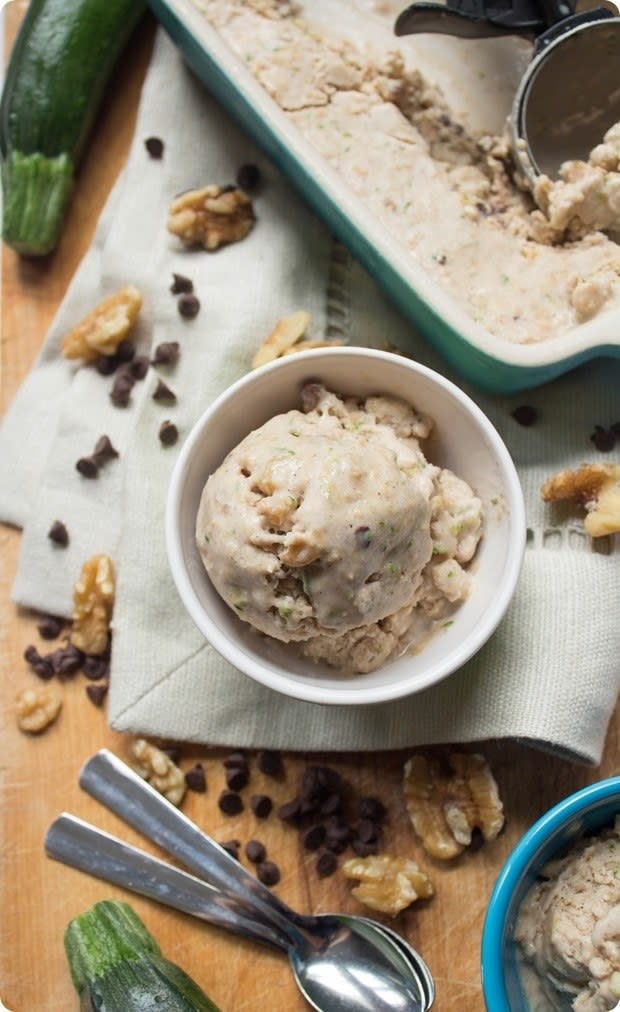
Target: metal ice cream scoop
569	95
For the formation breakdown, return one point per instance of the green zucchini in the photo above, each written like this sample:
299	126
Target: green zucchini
58	69
117	966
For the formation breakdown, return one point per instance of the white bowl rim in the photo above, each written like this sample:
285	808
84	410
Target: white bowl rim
362	695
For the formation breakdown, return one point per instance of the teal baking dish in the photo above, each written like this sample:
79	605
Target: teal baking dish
479	357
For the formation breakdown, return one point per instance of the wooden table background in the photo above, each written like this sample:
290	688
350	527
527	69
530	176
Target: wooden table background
39	774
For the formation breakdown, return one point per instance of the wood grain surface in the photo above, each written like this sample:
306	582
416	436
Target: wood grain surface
39	774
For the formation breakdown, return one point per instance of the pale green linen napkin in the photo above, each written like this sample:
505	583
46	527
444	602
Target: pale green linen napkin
551	673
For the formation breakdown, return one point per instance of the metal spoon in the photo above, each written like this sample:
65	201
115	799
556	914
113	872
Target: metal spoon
343	968
116	786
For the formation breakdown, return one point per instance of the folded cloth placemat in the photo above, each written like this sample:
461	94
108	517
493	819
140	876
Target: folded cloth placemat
551	673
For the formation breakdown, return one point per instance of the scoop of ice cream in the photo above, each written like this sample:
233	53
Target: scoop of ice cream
320	522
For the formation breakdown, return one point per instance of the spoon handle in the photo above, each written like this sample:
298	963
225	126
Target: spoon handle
115	785
82	846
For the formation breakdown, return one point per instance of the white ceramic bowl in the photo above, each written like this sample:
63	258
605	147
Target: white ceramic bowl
464	440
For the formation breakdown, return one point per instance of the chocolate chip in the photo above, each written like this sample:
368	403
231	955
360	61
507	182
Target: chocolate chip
121	389
95	668
313	837
363	537
97	693
181	284
139	366
49	627
154	146
31	654
168	433
43	669
234	760
88	467
331	805
364	849
166	353
290	811
269	763
255	851
268	873
230	803
162	392
326	864
367	831
106	364
231	847
372	808
261	805
248	177
66	660
525	415
237	778
104	450
195	778
604	439
335	844
58	534
188	305
125	352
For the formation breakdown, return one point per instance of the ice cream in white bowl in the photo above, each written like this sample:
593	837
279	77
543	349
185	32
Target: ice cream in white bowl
301	561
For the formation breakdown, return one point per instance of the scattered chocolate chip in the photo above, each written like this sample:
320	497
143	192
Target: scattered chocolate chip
139	366
181	284
188	305
125	352
195	778
88	467
104	450
231	847
58	534
162	392
372	808
290	811
261	805
49	627
121	389
326	864
166	353
31	654
168	433
106	364
367	831
97	692
313	837
525	415
268	873
41	666
604	439
363	537
67	660
255	851
237	778
332	804
154	146
248	177
95	668
364	849
269	763
230	803
234	760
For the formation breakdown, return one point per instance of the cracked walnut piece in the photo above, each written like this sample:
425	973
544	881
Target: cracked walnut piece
211	217
388	884
597	488
160	771
103	329
446	806
37	709
287	338
93	600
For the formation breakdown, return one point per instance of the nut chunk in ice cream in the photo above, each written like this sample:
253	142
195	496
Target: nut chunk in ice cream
319	528
568	929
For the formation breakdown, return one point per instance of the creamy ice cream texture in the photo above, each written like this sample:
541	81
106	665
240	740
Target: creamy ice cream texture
568	929
328	527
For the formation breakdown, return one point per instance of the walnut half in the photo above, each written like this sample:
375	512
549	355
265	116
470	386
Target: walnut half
211	217
594	486
446	805
101	331
37	709
160	771
388	884
287	338
93	600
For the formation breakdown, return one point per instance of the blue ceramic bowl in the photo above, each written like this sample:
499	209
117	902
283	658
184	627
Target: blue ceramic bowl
587	811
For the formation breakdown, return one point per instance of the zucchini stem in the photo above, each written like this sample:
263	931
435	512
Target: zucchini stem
35	192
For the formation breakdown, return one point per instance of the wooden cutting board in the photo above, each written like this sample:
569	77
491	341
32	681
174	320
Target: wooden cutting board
39	774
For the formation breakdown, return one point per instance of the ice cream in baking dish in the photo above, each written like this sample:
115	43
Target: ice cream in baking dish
328	527
444	193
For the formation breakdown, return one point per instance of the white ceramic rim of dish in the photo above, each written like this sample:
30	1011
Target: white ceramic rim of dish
361	695
602	331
